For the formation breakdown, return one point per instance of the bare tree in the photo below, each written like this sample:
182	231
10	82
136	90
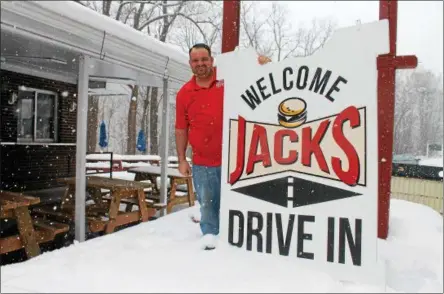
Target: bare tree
143	111
143	13
418	112
316	36
159	20
204	28
132	116
272	34
253	29
124	9
284	42
116	121
107	115
111	111
93	123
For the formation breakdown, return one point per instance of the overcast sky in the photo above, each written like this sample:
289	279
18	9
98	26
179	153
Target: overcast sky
420	24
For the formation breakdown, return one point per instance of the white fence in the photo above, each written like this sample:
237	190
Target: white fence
427	192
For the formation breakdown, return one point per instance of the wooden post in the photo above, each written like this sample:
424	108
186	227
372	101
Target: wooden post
26	231
387	65
230	25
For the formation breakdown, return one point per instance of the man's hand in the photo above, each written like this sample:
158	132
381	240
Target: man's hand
184	168
263	59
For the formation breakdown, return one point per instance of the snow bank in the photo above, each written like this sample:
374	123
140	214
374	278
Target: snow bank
164	256
414	248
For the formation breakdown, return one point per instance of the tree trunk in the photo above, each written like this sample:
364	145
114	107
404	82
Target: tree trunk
106	6
145	116
132	116
154	148
93	112
132	112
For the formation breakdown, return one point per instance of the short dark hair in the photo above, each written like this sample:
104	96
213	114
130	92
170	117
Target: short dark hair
200	45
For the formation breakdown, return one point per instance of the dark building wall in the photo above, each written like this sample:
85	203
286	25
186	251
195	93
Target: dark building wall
35	166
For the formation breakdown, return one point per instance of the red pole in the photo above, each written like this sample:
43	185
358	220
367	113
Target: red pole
387	65
230	25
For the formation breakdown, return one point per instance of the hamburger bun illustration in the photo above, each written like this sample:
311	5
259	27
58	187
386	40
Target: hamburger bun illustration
292	112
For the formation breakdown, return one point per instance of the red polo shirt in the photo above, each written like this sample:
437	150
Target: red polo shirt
200	110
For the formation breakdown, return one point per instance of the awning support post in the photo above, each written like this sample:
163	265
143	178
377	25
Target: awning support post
81	129
164	144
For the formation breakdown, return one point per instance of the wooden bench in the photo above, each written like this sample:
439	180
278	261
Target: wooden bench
32	232
176	178
95	223
44	231
102	215
130	203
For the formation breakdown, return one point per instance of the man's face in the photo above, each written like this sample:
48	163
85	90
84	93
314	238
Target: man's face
201	62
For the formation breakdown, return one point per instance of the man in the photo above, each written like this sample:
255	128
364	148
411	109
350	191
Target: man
199	116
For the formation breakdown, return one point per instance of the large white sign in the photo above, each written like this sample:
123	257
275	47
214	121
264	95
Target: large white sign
300	170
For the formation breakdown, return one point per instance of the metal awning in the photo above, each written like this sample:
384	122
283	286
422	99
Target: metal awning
65	41
52	34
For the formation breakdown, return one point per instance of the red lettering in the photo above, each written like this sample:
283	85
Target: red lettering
236	174
279	147
313	146
350	177
259	136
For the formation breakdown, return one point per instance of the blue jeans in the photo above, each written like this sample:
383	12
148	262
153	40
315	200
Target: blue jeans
207	186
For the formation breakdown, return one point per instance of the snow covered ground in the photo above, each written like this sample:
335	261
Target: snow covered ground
164	256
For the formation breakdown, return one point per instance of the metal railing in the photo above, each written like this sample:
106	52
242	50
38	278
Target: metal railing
102	170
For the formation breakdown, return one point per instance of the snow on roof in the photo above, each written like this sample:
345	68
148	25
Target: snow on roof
80	30
87	16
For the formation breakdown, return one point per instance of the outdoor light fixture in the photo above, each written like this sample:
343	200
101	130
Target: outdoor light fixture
73	107
12	98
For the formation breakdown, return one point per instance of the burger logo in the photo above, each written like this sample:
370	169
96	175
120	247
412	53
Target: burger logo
292	112
332	147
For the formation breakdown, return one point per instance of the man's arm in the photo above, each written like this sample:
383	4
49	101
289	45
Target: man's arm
181	126
181	143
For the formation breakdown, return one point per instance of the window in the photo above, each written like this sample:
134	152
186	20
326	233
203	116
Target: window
37	115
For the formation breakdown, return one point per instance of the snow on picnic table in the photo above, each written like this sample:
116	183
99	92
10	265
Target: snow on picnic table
164	256
107	156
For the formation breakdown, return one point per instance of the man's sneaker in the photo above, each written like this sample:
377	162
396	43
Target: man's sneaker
209	242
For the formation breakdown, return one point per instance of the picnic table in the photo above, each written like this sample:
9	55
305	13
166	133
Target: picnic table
104	214
16	206
174	196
